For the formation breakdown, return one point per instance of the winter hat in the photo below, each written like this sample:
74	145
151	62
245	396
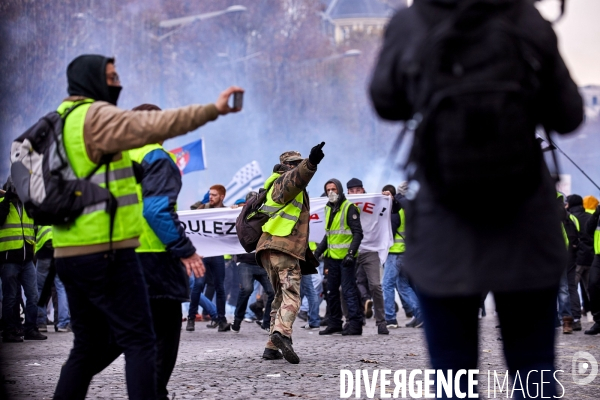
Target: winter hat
354	182
574	200
590	203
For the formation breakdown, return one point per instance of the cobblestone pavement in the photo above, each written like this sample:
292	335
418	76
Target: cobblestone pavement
213	365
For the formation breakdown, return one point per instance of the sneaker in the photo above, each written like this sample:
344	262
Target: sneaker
34	335
310	327
284	344
594	330
190	327
330	330
205	317
270	354
393	324
235	327
213	324
368	308
382	329
66	328
11	338
224	326
414	323
576	325
249	320
303	315
43	328
199	318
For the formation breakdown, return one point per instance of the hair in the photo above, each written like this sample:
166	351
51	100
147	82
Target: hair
146	107
219	188
389	188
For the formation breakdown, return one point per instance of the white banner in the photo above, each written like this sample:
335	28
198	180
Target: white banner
212	231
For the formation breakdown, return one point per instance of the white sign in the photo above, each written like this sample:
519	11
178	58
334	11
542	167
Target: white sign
212	231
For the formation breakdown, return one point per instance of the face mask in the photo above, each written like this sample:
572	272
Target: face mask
113	94
333	196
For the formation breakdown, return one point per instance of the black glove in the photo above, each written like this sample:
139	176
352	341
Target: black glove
316	154
348	261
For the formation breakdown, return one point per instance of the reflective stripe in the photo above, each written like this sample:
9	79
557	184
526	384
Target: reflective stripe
269	209
113	175
398	240
297	204
288	216
11	238
43	233
339	246
18	226
126	200
339	232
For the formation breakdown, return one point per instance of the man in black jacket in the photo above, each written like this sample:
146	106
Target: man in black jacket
593	229
580	267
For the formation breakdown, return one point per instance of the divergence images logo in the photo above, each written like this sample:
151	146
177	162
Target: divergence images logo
584	368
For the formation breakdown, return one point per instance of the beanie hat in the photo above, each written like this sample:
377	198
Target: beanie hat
574	200
354	182
590	202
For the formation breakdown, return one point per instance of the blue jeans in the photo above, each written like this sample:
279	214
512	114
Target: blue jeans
110	315
346	277
198	298
307	289
215	272
248	274
15	276
43	267
564	299
394	278
249	313
451	330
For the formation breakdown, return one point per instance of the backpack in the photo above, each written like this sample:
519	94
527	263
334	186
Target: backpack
250	221
44	180
473	84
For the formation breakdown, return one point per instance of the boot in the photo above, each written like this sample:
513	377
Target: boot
382	328
224	326
34	335
284	344
330	330
270	354
577	325
567	324
594	330
190	325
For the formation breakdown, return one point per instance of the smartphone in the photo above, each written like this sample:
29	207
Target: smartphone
238	100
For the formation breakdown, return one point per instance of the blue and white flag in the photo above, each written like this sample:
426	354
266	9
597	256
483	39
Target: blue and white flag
248	178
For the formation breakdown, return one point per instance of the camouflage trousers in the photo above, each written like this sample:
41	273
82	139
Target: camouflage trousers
284	274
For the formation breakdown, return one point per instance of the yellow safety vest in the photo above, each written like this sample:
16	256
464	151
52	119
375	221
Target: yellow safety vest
339	235
44	234
282	220
93	225
17	229
399	246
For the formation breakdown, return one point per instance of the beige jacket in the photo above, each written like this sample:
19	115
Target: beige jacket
109	130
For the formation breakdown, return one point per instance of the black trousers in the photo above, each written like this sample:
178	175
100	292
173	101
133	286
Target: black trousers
110	315
594	288
166	317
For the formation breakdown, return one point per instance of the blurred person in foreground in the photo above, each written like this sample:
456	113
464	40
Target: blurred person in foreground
165	252
106	289
593	229
282	249
520	258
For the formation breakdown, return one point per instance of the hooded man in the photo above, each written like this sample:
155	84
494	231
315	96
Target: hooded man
95	255
339	247
282	250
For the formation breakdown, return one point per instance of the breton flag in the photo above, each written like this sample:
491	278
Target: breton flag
248	178
190	157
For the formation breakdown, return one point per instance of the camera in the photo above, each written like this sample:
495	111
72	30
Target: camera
238	100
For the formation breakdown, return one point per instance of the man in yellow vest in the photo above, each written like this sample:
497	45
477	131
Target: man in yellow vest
593	229
339	247
95	255
17	240
282	250
164	250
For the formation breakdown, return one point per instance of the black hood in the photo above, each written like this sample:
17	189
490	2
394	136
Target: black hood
340	190
86	76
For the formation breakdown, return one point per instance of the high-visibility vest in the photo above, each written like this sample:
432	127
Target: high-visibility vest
339	235
399	246
227	257
93	225
312	246
44	234
17	229
149	241
282	220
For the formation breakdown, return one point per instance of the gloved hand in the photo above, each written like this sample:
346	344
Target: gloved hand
348	261
316	154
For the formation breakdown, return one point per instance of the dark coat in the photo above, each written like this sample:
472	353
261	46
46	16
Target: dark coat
585	250
445	254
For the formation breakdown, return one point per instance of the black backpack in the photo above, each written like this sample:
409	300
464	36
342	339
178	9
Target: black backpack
473	84
44	180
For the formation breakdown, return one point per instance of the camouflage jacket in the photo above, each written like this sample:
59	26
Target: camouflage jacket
285	188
